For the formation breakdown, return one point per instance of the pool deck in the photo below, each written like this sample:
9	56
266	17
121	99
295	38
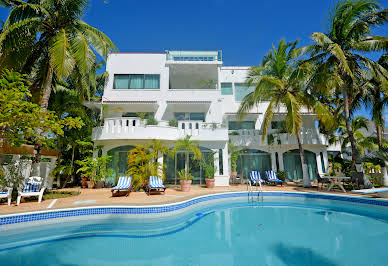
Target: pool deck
103	197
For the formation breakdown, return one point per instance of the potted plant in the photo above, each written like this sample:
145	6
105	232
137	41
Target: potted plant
94	169
188	146
173	123
186	179
234	153
209	170
281	175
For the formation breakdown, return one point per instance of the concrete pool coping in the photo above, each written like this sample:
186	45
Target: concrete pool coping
40	216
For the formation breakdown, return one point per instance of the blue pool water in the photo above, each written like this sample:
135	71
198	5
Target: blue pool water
275	231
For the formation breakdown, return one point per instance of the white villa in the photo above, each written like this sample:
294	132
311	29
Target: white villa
192	93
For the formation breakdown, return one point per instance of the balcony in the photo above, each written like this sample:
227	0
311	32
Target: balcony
193	56
254	138
134	128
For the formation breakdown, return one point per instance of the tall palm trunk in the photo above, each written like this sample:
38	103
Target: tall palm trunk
306	178
44	104
380	144
355	154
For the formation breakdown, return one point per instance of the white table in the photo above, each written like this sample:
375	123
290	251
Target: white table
336	180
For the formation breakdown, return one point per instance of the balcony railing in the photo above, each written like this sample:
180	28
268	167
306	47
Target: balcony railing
254	137
194	56
135	128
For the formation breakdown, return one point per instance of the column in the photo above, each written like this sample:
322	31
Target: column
160	161
216	162
319	162
326	160
225	160
273	161
281	163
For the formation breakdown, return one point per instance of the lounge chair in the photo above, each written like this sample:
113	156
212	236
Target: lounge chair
155	184
255	179
124	184
272	178
321	180
6	193
33	187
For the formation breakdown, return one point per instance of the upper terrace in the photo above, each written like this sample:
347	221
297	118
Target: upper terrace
194	57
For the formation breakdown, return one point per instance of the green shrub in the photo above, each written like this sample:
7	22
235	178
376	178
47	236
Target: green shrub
151	121
173	123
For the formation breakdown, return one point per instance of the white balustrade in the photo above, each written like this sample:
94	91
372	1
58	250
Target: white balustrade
134	128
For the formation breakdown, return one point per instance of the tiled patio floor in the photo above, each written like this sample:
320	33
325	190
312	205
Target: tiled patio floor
100	197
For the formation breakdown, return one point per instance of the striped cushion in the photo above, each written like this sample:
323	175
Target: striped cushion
32	187
256	178
155	182
271	175
123	183
3	192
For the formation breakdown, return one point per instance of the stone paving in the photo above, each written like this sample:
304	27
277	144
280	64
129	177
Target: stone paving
101	197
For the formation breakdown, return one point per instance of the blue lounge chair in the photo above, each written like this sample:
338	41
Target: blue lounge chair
272	178
155	184
124	184
256	179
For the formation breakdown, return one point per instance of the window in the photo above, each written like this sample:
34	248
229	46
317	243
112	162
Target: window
279	125
197	116
240	91
236	125
190	116
147	114
136	81
226	89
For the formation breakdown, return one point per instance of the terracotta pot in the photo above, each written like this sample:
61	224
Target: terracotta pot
84	182
91	184
209	182
185	185
233	174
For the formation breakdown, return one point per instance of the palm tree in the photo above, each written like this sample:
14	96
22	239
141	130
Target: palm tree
48	38
281	83
337	54
188	146
360	125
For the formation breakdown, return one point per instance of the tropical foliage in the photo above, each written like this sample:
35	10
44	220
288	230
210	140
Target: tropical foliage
341	64
188	146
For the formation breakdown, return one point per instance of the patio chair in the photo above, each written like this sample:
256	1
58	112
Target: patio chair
33	187
255	179
123	184
155	185
6	193
321	180
272	178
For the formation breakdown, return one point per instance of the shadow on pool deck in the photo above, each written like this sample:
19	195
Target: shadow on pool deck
292	255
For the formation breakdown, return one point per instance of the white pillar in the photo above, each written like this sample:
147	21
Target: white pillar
326	161
273	161
225	160
160	161
281	164
216	162
319	162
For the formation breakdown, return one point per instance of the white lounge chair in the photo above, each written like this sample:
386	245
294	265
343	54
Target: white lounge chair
33	187
155	184
124	184
381	192
6	193
256	179
273	178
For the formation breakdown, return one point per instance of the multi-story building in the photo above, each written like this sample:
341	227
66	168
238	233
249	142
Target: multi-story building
192	93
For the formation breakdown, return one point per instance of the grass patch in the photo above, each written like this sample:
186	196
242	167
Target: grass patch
59	194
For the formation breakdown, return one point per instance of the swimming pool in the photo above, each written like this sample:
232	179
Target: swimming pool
229	229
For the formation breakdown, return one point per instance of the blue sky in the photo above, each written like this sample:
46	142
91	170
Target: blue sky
243	29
